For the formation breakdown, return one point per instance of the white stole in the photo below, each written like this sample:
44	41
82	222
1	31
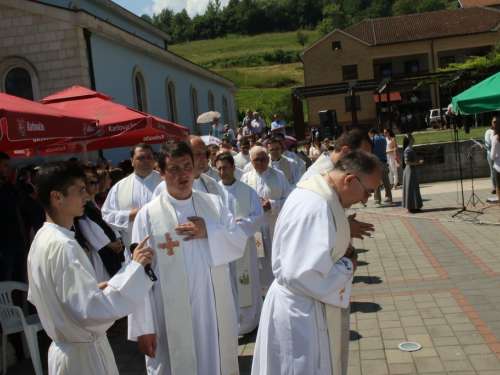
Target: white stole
209	183
320	186
323	163
272	193
284	165
175	289
125	193
243	278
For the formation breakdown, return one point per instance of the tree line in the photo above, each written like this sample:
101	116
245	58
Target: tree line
252	17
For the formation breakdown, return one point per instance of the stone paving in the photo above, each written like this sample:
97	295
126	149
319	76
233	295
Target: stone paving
429	278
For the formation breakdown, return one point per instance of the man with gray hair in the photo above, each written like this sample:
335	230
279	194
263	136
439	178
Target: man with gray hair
273	189
258	125
314	266
347	142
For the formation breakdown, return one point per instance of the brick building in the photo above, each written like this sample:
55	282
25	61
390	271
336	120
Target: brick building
483	3
394	47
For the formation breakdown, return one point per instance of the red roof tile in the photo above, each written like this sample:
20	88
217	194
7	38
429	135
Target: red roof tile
471	3
413	27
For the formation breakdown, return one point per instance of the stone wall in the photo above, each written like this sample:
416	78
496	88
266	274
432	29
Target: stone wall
54	48
449	170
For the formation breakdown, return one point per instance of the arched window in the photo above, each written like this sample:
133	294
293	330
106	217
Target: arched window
194	108
172	101
18	83
225	110
140	89
211	101
19	78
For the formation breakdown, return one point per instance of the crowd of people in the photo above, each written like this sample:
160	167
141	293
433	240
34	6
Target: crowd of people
237	236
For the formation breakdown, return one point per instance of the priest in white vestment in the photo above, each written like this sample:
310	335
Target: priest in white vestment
238	173
243	158
202	182
273	189
300	329
246	207
289	167
185	324
347	142
289	154
74	310
126	198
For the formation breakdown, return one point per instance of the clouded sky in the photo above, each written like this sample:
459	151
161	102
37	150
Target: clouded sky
155	6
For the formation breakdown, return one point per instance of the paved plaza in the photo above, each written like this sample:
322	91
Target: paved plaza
428	278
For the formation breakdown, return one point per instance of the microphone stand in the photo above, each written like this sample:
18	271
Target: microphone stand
474	199
457	155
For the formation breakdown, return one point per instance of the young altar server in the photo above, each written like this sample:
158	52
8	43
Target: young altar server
300	329
74	310
245	205
187	323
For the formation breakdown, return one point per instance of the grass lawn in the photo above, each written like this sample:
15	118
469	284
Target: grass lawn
257	99
274	76
259	87
236	45
438	136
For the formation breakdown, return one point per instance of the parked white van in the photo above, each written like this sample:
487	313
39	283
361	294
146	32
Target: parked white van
435	118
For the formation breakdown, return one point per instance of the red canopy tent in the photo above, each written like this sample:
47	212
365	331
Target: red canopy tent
25	124
118	125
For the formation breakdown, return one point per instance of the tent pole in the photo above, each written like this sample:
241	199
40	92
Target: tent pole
85	155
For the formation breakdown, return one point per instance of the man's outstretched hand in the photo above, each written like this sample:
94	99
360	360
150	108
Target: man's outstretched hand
358	228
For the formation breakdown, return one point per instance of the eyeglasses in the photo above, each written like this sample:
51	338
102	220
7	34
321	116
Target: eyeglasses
259	160
369	195
93	183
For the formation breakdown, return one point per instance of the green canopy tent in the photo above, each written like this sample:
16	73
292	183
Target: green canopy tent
483	97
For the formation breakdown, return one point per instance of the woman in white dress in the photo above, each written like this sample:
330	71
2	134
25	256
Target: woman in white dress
392	151
495	154
488	138
316	150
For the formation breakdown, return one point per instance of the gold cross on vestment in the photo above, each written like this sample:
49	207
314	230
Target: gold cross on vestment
169	245
258	243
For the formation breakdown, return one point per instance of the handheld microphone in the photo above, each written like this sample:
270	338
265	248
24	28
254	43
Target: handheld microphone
147	268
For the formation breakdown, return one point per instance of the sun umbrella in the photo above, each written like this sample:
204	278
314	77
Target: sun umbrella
24	153
207	117
483	97
288	141
26	124
119	126
209	140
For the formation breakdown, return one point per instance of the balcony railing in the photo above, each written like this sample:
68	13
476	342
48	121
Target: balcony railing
402	75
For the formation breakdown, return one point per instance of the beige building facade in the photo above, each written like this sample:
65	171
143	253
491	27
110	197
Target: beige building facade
393	48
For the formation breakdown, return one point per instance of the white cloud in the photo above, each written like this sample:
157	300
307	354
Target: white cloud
193	7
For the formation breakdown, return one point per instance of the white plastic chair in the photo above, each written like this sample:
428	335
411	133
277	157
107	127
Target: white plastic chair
13	320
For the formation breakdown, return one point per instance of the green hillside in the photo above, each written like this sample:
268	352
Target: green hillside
263	86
